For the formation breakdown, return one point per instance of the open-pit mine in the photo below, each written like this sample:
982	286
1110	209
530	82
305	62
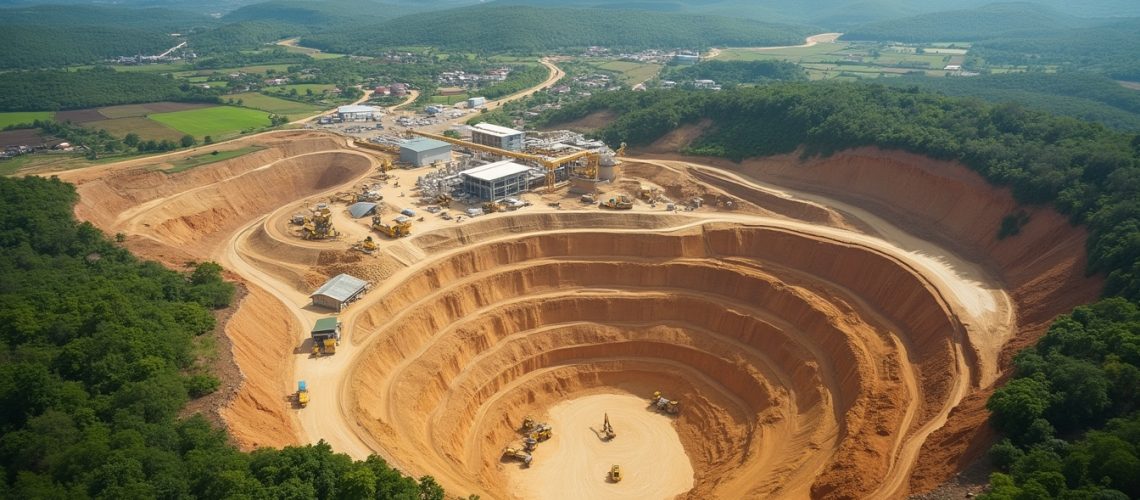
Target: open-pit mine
832	332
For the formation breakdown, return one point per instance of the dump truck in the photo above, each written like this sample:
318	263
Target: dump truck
663	404
518	454
397	229
319	226
326	336
302	394
615	474
621	202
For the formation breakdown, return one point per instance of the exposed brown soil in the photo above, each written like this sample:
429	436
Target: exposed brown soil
589	123
818	350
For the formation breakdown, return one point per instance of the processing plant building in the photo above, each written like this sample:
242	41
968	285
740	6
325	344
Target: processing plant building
499	137
423	151
497	180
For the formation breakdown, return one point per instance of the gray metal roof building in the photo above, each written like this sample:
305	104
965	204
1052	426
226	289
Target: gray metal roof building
423	151
496	180
338	291
361	209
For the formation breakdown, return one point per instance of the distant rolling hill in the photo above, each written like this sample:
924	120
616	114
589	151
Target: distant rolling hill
986	22
498	27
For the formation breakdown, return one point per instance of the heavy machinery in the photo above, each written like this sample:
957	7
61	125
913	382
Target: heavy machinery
325	335
518	454
491	207
396	229
663	404
607	429
620	202
443	200
368	245
529	444
620	151
302	394
648	193
615	474
319	225
535	430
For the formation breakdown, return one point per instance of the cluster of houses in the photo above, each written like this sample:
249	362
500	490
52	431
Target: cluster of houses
464	79
395	89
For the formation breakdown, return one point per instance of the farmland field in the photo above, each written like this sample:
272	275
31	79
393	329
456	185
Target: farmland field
301	88
217	121
275	105
18	117
145	128
632	73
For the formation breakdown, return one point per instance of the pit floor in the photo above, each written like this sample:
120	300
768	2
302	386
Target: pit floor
575	462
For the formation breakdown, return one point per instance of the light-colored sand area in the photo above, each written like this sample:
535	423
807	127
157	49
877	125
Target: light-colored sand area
576	461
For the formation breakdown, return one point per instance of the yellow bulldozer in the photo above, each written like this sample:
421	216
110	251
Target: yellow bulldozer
518	454
491	207
621	202
396	229
368	245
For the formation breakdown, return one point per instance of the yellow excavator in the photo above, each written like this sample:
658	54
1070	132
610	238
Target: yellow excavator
607	429
621	202
620	151
319	226
536	430
393	230
518	454
663	404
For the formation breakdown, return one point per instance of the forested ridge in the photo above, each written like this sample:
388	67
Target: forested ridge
732	73
516	28
1078	94
98	360
52	90
40	46
1071	410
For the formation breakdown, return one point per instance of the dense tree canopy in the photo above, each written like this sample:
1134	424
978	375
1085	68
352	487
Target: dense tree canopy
732	73
97	361
60	90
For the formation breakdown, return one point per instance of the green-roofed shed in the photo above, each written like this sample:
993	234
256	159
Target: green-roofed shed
423	151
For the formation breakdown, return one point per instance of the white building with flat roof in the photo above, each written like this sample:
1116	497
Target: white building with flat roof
496	180
496	136
355	112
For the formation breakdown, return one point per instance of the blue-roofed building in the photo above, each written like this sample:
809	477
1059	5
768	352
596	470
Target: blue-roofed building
339	291
423	151
361	209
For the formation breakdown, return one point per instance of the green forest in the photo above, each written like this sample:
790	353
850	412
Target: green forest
1083	95
525	29
1070	413
732	73
61	90
99	360
38	46
986	22
1110	49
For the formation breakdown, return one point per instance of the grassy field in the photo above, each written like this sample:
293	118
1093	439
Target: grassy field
448	99
218	121
632	73
849	60
292	109
313	53
207	158
301	88
18	117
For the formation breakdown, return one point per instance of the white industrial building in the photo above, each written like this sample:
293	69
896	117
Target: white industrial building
476	102
496	180
337	292
499	137
356	112
423	151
